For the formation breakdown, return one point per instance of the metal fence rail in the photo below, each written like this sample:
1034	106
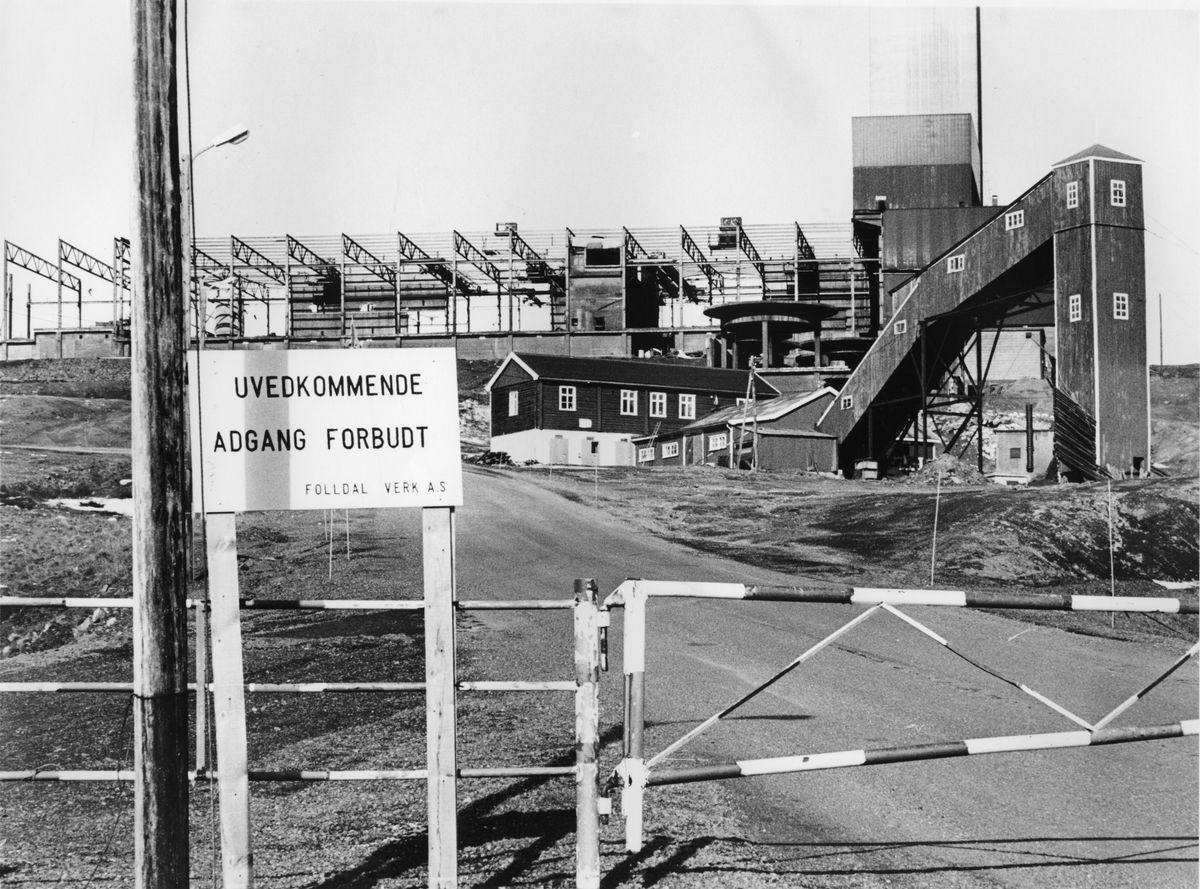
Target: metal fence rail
635	773
588	623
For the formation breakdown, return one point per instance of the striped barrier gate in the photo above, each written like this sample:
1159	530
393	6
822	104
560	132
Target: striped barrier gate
635	772
588	623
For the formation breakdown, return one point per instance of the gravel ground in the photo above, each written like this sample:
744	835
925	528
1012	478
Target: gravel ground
512	833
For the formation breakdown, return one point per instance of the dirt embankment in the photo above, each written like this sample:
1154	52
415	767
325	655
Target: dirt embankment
866	533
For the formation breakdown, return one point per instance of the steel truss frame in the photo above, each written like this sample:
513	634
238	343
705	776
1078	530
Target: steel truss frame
716	281
666	284
468	265
411	252
997	312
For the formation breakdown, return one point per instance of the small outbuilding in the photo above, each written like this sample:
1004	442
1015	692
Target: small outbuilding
776	433
1022	455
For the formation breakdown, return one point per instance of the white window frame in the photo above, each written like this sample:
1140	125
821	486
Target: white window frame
900	328
567	398
1116	192
1014	219
1121	306
956	263
847	402
658	404
514	403
687	407
629	402
718	441
1073	194
670	449
1075	307
645	455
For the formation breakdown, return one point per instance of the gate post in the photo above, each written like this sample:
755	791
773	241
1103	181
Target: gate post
633	766
587	736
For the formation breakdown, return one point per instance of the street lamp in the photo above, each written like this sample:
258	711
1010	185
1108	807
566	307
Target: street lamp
233	136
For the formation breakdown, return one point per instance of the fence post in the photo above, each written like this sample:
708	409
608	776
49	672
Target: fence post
201	683
587	736
229	701
633	766
440	713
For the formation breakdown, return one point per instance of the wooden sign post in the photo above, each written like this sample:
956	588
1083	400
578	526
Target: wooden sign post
441	716
321	429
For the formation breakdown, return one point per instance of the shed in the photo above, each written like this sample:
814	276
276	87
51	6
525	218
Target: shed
782	428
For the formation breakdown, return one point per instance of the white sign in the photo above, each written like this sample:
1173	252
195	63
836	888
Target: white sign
324	429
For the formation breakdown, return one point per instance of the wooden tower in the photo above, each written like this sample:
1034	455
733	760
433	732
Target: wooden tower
1102	405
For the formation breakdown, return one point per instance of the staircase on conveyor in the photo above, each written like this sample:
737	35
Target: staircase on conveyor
974	284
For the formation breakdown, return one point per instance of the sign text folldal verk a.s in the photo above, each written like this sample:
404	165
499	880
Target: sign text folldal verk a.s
324	429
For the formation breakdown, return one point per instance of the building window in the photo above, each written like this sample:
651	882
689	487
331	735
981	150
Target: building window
1072	195
1116	191
645	455
718	442
956	263
900	327
602	257
1015	219
514	403
1014	453
671	449
687	407
566	398
1121	306
658	404
847	402
629	402
1075	307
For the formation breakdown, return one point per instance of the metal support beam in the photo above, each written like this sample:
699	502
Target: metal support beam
716	281
243	252
751	253
361	256
306	257
474	255
51	271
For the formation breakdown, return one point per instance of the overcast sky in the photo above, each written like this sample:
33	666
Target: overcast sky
369	117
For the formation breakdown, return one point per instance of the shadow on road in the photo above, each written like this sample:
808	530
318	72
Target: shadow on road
736	855
480	826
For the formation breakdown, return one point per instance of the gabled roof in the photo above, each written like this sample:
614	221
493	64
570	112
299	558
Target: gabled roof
777	408
1098	151
661	374
769	409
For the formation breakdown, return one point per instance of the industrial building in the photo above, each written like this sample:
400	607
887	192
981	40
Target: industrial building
907	309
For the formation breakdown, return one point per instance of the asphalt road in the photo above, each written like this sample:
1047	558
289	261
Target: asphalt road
1116	816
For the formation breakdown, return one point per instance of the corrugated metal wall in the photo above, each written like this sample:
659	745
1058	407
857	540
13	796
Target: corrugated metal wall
913	139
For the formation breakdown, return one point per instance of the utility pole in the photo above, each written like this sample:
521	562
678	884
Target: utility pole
159	461
1160	332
